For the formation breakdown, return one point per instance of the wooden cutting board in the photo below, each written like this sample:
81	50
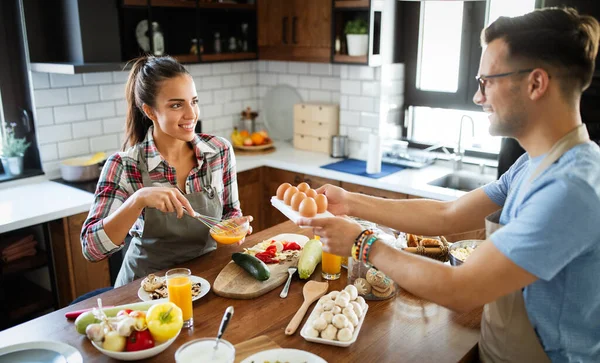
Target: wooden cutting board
245	349
235	283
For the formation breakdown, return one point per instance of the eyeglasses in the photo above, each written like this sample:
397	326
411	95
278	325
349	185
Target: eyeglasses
483	78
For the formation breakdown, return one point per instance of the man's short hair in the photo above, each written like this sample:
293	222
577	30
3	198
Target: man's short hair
560	38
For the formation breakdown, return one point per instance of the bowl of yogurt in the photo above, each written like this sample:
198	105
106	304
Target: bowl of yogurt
203	350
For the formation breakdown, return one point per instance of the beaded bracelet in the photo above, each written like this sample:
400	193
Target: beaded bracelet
358	243
366	249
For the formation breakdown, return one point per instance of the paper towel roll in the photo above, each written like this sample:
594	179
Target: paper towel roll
374	155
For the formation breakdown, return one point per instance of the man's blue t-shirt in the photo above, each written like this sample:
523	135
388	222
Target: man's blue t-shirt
552	230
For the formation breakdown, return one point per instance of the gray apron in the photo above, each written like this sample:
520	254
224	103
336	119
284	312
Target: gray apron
506	332
166	240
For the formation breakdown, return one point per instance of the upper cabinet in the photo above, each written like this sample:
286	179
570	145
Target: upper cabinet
296	30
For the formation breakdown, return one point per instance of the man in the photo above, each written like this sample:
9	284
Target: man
532	73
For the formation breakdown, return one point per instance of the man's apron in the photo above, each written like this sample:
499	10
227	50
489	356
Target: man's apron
506	332
166	240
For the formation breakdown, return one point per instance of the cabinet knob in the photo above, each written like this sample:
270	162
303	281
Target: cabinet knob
320	108
320	124
297	179
303	121
308	181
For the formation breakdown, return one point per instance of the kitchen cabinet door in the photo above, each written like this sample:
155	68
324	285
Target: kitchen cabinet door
355	188
274	17
251	196
311	30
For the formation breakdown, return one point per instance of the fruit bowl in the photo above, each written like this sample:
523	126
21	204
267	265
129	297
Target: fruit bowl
230	235
140	354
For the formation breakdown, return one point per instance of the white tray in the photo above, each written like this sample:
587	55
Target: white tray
314	315
292	214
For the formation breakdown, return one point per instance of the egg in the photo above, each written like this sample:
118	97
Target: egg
308	208
289	193
311	193
296	199
281	190
303	187
321	201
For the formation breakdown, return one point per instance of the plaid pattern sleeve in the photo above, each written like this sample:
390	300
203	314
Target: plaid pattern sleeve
231	201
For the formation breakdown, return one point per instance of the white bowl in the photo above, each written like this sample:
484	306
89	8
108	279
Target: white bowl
140	354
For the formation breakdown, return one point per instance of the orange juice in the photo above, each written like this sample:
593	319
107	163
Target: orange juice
331	266
179	286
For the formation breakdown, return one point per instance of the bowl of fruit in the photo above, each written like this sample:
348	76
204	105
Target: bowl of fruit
244	140
135	334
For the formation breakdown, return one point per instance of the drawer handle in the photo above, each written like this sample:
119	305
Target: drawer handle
320	124
302	136
303	106
320	108
303	121
319	138
308	181
297	179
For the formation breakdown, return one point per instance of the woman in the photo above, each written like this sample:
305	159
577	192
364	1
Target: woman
167	171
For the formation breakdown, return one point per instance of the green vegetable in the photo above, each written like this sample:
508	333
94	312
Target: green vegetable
358	26
255	267
309	258
88	317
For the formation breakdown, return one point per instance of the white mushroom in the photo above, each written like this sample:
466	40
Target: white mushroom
345	294
351	315
312	332
339	321
344	335
362	302
357	308
342	300
336	310
328	305
324	298
329	333
350	326
319	324
333	294
328	316
318	309
352	291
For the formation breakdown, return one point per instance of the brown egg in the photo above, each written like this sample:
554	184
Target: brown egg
289	193
303	187
281	190
311	193
321	201
308	208
296	199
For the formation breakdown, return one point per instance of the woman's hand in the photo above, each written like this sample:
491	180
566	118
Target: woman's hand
164	199
337	199
241	220
336	233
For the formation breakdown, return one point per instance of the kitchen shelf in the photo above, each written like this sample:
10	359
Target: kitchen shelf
226	6
24	264
189	4
24	298
354	4
227	56
186	58
344	58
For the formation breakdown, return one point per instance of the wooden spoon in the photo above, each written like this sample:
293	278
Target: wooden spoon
312	291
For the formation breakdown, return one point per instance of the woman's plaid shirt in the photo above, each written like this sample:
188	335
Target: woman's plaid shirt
121	177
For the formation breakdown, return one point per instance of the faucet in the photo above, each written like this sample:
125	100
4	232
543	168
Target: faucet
459	152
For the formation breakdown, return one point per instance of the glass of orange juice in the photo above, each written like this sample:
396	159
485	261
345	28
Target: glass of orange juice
331	266
179	285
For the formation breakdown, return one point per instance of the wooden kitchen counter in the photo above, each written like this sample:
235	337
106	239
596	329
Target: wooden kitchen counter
404	329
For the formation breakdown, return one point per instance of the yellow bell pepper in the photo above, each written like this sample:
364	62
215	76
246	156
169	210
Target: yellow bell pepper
164	321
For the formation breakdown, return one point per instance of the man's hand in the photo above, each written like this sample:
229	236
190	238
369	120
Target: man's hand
337	199
336	233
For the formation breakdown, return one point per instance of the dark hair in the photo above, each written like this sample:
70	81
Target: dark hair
560	38
142	87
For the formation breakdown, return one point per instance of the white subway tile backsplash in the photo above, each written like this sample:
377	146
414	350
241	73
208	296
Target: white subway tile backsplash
221	68
205	98
335	97
199	70
48	134
350	87
242	93
319	96
235	107
330	83
240	67
360	134
84	94
370	120
223	126
207	126
289	79
120	76
100	109
85	129
343	102
69	149
65	80
214	82
357	103
50	97
361	73
262	66
64	114
121	107
51	168
112	92
40	80
309	82
223	96
232	80
211	111
112	125
336	69
267	79
321	69
371	89
44	116
250	79
344	72
277	67
97	78
48	152
298	67
349	118
104	143
304	94
262	91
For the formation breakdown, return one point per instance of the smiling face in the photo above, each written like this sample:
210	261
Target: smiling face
176	109
505	98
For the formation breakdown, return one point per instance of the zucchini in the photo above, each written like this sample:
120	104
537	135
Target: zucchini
309	258
255	267
88	317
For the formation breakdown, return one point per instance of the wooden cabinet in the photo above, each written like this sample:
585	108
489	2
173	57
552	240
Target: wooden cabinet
296	30
355	188
251	197
75	275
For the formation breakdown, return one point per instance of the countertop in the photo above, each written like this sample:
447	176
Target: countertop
36	200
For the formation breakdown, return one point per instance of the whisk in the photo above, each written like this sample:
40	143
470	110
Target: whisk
217	225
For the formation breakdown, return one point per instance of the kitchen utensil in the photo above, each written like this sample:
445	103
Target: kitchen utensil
454	260
75	313
339	146
278	114
82	168
312	291
284	292
236	283
226	317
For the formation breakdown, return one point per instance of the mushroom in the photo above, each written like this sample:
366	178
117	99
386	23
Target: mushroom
328	316
344	335
319	324
333	294
357	308
342	300
328	305
329	333
336	310
352	291
339	321
312	332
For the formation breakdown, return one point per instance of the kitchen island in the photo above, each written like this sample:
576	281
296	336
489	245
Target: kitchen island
403	329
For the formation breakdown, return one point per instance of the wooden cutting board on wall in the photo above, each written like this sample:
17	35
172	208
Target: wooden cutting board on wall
236	283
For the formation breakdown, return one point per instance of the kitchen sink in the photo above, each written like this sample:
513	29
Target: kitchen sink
465	181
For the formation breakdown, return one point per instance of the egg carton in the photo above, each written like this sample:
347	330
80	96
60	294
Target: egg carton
292	214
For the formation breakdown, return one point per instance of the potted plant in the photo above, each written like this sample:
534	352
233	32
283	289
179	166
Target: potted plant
357	37
13	149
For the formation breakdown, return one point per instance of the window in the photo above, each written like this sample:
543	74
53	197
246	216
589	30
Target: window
441	63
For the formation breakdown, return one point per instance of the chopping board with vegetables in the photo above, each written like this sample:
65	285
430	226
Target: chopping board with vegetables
260	268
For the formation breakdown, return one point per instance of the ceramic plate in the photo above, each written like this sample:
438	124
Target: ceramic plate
204	289
278	105
40	351
292	214
284	355
337	343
